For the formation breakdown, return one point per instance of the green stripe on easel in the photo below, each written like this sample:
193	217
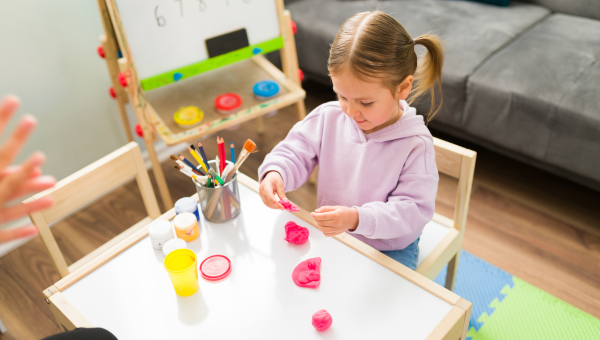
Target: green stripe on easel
211	64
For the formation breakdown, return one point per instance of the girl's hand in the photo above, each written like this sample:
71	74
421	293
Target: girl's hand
335	220
270	186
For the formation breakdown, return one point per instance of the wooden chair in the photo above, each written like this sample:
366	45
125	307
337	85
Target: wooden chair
84	186
441	240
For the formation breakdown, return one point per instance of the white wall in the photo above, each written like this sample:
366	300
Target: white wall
48	58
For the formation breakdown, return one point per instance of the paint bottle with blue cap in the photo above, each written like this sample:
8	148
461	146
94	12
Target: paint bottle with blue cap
188	205
265	89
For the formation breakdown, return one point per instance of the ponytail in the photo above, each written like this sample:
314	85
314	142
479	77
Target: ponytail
429	71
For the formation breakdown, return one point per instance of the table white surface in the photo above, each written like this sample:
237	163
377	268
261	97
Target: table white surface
132	296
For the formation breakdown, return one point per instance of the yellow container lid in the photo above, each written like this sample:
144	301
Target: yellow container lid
188	116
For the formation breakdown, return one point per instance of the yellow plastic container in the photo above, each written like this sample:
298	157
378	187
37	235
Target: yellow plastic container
181	264
186	226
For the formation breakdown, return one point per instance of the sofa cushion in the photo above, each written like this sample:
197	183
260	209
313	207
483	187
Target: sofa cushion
582	8
539	95
471	31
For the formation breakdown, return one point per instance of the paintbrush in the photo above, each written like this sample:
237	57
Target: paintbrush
249	146
199	179
180	163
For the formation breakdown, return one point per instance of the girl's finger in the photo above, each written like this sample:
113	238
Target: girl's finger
265	197
328	224
33	185
8	106
326	216
280	190
325	208
22	209
13	145
17	233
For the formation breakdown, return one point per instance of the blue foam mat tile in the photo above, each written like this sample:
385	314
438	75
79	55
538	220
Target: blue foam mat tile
478	282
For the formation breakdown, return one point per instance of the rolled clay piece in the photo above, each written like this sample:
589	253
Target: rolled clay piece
322	320
295	234
289	206
308	273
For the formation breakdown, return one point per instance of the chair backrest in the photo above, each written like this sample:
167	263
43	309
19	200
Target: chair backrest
457	162
84	186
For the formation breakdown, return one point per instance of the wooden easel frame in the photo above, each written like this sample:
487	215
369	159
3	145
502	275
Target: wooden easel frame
453	326
152	124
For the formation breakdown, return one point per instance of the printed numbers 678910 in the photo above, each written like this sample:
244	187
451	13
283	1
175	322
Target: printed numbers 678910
202	6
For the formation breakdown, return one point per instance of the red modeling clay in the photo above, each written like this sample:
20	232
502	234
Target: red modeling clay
322	320
295	234
289	206
308	273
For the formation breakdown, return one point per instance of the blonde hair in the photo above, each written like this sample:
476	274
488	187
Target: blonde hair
375	45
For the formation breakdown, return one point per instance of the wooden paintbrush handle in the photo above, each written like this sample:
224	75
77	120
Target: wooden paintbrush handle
212	203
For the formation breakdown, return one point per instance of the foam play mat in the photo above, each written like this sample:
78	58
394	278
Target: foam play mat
508	308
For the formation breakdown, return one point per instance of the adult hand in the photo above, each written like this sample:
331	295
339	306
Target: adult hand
270	186
334	220
19	180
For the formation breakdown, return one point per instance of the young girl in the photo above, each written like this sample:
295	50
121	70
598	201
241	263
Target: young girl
377	173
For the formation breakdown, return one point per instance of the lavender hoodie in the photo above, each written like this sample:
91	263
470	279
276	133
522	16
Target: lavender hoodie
389	175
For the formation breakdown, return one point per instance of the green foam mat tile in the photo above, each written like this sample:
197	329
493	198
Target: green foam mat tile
529	313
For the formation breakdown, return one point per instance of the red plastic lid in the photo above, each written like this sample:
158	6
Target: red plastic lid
228	102
215	267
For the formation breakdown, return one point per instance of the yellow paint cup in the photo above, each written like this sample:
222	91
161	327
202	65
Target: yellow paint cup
181	266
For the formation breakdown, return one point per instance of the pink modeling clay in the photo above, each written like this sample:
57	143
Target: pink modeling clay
322	320
308	273
289	206
295	234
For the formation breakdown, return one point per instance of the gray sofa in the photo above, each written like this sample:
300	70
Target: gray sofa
522	80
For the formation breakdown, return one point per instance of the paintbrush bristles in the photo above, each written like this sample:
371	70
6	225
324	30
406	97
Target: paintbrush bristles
249	145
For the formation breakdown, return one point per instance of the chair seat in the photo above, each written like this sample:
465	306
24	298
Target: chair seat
432	235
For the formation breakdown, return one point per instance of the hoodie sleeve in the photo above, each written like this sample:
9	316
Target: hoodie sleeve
297	155
411	204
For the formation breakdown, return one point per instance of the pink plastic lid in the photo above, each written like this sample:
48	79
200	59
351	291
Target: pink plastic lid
228	102
215	267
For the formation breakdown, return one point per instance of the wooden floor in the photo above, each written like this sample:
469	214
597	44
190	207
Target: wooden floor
534	225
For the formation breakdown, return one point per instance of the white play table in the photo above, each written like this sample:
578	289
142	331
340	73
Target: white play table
370	296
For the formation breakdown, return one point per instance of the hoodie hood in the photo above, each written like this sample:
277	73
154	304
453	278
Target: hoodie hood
410	124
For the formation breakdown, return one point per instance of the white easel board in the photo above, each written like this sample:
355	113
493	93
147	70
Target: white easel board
168	37
131	295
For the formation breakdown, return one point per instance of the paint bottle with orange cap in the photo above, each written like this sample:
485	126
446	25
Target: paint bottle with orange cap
186	226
